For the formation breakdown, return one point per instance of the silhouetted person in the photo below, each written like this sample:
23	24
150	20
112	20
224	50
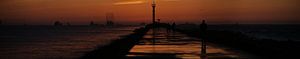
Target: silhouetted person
57	23
173	26
168	30
203	28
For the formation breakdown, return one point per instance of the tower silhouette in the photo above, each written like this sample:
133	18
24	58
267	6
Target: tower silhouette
153	24
153	11
109	19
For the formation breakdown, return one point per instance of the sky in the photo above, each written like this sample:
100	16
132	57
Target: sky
45	12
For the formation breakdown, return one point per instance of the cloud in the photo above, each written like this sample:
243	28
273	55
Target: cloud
130	2
171	0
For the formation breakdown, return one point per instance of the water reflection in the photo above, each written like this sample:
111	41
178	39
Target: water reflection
178	46
47	42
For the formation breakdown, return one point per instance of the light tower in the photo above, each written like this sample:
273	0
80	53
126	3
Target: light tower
153	24
153	11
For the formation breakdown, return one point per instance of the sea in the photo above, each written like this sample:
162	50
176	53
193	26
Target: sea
56	42
72	42
280	32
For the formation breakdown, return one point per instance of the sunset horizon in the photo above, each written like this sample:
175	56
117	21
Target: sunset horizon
45	12
149	29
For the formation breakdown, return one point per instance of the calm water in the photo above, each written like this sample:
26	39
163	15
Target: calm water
262	31
48	42
265	31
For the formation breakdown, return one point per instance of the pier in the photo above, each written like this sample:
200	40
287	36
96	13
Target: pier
169	44
175	45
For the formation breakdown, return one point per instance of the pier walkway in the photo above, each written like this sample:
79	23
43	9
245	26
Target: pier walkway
174	45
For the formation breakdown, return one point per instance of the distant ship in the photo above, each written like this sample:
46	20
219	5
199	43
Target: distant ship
110	17
57	23
109	23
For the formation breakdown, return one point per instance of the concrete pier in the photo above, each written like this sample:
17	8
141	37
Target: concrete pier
174	45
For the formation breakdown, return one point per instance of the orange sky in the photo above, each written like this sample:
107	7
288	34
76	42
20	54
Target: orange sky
136	11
